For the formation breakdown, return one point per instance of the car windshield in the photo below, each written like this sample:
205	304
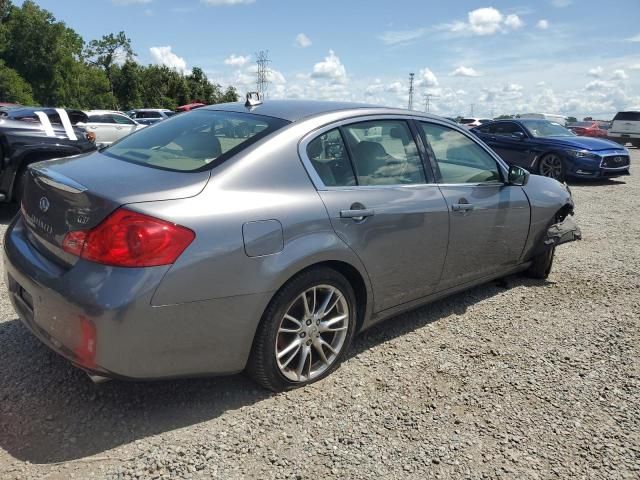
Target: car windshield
193	140
545	128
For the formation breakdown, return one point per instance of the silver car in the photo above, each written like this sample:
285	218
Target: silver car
264	236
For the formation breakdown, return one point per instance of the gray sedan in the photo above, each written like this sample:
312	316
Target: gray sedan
264	236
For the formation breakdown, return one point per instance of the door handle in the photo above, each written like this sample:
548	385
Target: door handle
357	214
461	207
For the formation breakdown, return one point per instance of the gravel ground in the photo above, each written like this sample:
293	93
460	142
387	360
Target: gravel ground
523	379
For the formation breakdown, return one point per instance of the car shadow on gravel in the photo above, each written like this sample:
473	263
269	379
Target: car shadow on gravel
51	412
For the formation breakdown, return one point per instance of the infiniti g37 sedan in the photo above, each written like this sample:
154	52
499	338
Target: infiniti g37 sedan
185	249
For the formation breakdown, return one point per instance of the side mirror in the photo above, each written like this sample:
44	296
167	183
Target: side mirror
518	176
517	135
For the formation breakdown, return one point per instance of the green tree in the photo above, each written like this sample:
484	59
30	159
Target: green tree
230	95
201	89
41	50
13	87
127	85
107	52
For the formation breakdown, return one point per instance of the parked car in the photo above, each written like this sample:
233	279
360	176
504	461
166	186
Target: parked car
181	250
149	116
625	128
31	134
109	125
474	122
190	106
588	129
549	149
552	117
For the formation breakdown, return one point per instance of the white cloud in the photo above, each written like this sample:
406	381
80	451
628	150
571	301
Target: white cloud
595	72
236	60
485	21
401	37
635	66
463	71
542	24
331	68
635	38
512	88
513	21
302	40
619	75
130	2
164	56
426	78
217	3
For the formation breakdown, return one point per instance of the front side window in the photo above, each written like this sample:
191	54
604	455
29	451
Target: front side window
100	119
121	119
545	128
330	160
459	159
506	129
192	141
383	152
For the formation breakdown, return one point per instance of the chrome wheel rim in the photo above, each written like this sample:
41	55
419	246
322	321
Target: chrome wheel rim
312	333
551	166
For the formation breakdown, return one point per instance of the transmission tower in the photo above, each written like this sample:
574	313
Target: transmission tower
262	74
411	75
427	101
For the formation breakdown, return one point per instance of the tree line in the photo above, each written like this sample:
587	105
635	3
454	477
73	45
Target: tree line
44	62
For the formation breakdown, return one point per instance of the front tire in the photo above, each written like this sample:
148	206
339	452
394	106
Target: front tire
305	331
541	265
551	166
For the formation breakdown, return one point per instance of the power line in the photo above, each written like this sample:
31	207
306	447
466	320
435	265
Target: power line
262	74
411	75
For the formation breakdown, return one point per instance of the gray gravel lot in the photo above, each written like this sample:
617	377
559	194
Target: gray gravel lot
525	380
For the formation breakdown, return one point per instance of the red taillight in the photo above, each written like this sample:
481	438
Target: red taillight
130	239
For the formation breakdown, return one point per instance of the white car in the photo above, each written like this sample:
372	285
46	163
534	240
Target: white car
474	122
109	126
625	128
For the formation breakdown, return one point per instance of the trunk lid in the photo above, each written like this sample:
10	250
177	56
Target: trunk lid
77	193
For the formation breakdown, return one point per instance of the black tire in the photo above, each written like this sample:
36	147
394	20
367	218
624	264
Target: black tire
542	264
551	165
262	365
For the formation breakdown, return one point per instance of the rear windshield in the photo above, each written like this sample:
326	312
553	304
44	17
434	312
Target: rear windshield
194	140
628	116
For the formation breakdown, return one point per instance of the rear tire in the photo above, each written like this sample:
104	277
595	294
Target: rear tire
299	342
541	265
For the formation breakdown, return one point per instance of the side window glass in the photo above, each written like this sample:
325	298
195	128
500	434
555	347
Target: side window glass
460	159
506	129
121	120
384	153
329	159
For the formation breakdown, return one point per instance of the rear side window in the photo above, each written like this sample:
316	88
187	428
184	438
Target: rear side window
628	116
330	161
384	153
506	129
194	140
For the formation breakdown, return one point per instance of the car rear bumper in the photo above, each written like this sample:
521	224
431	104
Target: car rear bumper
101	319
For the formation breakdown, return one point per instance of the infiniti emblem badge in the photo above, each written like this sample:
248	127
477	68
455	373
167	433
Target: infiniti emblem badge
44	204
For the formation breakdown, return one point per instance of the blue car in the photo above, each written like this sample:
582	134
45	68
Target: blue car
549	149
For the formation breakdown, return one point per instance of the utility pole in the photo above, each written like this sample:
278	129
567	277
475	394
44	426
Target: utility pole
262	74
472	105
411	75
427	101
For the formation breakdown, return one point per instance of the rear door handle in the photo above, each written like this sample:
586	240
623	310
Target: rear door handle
357	214
461	207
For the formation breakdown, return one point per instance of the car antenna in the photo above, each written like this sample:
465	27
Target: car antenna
253	99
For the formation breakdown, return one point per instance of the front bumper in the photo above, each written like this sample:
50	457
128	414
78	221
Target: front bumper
599	168
131	338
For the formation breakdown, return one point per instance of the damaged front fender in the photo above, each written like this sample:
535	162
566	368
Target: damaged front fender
564	231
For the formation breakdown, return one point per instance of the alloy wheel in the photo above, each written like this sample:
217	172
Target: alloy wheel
551	166
312	333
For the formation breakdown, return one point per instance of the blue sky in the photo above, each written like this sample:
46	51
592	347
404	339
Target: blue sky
576	57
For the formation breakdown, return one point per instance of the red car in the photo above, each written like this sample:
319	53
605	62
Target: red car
190	106
588	129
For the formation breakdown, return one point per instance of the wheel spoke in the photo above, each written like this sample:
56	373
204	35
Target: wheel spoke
322	311
307	312
306	350
293	320
327	324
295	343
335	302
318	346
324	343
291	357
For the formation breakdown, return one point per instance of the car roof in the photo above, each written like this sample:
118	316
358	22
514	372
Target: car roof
150	110
91	112
294	110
